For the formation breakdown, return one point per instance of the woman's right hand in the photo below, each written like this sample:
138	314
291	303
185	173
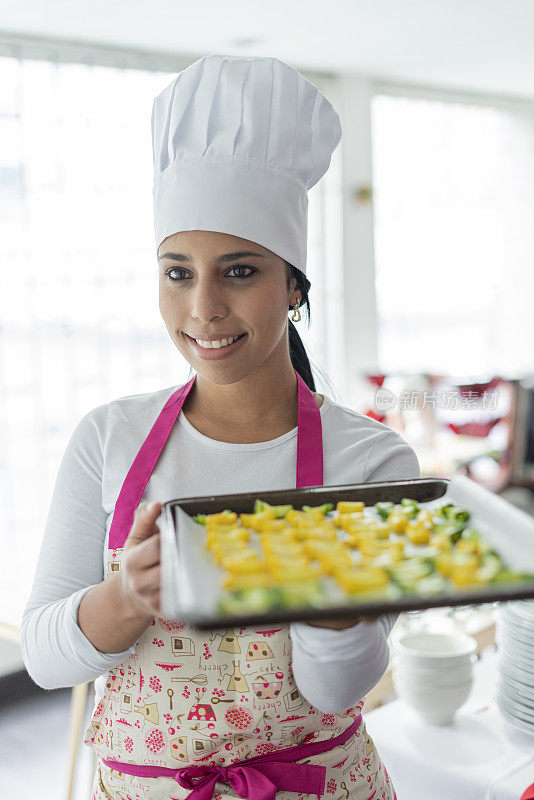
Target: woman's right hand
140	567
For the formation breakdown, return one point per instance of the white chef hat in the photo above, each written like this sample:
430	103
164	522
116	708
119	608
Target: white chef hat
237	142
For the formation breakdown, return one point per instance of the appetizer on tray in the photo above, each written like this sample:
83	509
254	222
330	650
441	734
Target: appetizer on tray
348	550
281	556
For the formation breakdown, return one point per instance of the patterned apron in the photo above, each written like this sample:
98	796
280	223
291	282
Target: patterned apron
217	713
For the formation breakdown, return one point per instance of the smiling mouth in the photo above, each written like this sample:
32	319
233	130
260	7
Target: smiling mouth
237	338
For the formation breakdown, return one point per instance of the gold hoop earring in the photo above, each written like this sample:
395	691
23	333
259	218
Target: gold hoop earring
296	313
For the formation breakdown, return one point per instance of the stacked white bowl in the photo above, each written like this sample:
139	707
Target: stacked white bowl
433	672
515	642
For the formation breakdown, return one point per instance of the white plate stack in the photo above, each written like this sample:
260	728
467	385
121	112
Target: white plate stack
515	642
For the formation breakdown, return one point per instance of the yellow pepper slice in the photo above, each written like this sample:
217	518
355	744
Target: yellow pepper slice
313	547
441	541
318	533
234	535
283	572
220	552
251	580
425	516
350	506
305	518
347	521
397	521
377	547
217	527
466	575
243	563
380	530
274	526
468	546
251	520
331	562
223	518
277	561
446	562
355	580
289	549
417	533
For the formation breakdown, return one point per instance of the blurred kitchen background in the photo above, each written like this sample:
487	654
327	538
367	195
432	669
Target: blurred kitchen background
420	252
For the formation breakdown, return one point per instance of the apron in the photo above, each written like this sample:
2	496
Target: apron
217	713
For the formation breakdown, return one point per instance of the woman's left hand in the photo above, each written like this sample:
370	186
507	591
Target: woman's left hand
339	624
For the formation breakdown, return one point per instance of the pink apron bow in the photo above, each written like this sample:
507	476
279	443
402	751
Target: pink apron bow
256	778
258	782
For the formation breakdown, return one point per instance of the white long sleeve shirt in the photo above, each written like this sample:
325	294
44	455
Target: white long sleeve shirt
72	558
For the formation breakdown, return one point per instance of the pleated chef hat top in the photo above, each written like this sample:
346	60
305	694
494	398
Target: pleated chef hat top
237	142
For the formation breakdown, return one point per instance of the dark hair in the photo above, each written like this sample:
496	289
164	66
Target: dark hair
297	352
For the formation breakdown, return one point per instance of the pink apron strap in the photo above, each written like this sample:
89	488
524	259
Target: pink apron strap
143	465
309	438
309	455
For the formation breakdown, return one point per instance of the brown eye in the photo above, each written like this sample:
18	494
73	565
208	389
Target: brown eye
251	272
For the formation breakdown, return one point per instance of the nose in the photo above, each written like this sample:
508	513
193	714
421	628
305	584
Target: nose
207	302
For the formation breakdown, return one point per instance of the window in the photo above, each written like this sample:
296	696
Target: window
454	239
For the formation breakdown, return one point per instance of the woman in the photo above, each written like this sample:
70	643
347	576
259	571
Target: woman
259	712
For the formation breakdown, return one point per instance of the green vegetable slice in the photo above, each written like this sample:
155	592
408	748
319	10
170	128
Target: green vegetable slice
384	509
279	511
512	575
301	593
410	507
249	600
324	509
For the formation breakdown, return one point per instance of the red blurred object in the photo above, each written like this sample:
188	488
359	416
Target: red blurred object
477	389
375	415
377	380
528	794
474	428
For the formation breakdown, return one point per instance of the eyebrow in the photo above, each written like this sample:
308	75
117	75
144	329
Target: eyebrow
220	259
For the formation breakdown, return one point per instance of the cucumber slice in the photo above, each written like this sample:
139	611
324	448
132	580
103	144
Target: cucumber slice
491	564
443	511
407	574
388	592
505	575
454	530
302	593
410	507
324	509
384	509
279	511
248	600
431	585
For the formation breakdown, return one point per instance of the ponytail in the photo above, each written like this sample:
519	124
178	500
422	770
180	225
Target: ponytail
297	352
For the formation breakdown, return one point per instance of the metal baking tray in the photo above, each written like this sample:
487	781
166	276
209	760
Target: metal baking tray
190	578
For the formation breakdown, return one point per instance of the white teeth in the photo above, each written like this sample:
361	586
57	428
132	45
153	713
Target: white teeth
216	343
